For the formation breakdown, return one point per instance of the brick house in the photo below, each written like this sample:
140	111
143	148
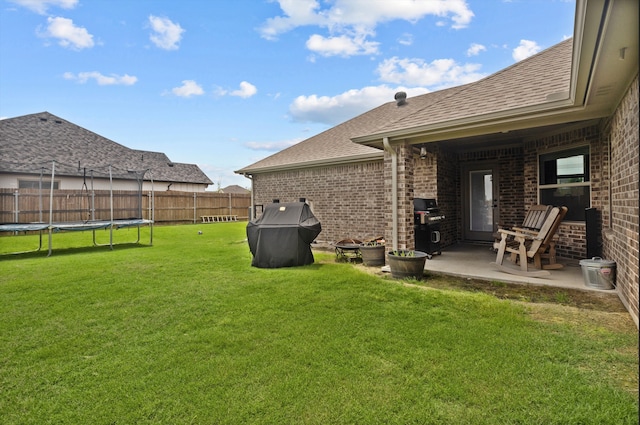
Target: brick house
560	127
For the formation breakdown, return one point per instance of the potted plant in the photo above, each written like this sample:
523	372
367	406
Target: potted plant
372	252
406	263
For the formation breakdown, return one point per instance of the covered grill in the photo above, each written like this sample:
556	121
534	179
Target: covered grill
426	225
282	236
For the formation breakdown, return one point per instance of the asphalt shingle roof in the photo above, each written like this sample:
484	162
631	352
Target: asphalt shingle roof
234	188
31	142
524	84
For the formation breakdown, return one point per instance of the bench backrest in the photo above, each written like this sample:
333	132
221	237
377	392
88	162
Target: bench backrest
548	230
534	219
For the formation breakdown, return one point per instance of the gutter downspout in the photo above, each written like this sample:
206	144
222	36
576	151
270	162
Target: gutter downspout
253	208
394	190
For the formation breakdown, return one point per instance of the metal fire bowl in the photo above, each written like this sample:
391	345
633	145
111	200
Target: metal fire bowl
348	244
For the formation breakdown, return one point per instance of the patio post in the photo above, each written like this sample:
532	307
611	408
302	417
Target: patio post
394	191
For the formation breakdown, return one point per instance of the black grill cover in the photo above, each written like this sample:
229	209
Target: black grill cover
282	236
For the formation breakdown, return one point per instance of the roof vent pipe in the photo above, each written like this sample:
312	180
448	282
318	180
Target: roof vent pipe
401	98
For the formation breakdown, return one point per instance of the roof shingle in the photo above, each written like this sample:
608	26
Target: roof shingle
524	84
31	142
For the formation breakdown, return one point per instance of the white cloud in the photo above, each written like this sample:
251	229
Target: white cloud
219	91
68	34
102	80
246	90
525	49
362	13
437	74
406	39
342	45
297	13
41	6
271	146
350	22
475	49
333	110
187	89
166	34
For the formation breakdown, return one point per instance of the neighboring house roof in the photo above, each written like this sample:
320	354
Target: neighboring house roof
234	188
529	82
33	141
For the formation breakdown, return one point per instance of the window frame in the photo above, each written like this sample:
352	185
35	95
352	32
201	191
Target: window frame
565	152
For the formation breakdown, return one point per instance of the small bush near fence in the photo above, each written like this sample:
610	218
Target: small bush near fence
33	205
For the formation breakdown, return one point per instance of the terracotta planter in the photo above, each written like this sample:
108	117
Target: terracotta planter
372	255
410	264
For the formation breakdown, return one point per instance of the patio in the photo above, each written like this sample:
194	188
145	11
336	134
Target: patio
473	261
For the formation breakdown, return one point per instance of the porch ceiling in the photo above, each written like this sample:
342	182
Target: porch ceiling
498	140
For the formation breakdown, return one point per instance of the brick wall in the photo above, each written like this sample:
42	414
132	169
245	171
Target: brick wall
449	197
425	176
405	187
347	199
405	205
620	241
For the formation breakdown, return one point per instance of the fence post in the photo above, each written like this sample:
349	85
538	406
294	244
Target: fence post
194	207
16	207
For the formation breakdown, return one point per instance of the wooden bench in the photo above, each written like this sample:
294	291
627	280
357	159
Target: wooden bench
536	246
218	218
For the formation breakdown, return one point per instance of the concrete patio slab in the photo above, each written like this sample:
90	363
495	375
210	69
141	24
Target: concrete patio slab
474	261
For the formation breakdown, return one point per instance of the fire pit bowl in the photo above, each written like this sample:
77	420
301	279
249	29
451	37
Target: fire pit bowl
348	249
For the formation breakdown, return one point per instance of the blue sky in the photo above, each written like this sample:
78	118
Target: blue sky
225	83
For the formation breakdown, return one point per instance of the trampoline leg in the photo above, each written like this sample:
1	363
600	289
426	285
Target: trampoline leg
49	254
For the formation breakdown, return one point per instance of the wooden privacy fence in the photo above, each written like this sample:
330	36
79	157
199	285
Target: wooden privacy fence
179	207
33	205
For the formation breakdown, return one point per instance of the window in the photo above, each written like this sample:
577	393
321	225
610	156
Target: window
564	180
35	184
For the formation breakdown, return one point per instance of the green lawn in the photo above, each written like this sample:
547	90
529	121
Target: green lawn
187	332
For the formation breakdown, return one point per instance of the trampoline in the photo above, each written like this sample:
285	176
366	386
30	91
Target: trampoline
92	224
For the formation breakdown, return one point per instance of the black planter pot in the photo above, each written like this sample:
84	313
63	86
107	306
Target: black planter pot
409	264
372	255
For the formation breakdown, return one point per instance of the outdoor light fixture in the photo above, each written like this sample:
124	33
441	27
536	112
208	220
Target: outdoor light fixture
423	153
